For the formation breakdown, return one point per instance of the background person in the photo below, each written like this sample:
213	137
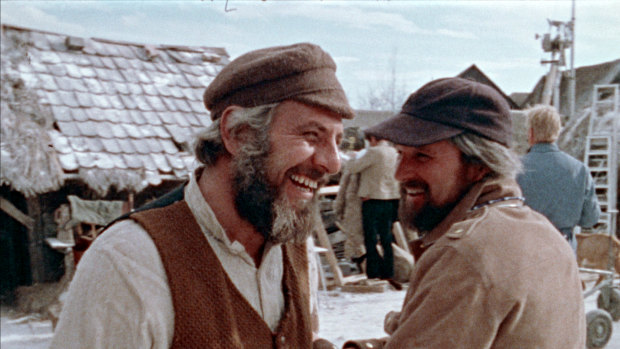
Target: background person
225	266
379	193
348	205
488	268
553	182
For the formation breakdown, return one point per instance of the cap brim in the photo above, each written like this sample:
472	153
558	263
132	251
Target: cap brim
408	130
332	100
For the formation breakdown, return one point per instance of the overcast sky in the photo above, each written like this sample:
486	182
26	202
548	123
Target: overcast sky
419	40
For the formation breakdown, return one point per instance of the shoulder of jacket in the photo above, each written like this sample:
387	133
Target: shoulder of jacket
465	227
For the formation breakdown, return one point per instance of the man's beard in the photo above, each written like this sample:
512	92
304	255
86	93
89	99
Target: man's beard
427	217
259	202
424	220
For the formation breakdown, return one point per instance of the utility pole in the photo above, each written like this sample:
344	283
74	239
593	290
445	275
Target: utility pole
559	38
572	76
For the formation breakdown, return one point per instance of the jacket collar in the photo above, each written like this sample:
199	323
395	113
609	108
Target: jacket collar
489	192
543	148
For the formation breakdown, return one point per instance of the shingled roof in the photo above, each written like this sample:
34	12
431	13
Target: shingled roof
116	113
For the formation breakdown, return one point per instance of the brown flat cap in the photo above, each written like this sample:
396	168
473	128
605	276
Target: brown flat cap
302	72
447	107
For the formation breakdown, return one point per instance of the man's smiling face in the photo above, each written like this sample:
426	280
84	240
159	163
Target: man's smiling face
433	178
276	183
304	150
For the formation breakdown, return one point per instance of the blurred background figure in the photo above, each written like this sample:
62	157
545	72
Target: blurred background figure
553	182
379	192
348	205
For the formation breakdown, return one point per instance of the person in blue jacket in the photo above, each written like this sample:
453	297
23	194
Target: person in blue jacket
553	182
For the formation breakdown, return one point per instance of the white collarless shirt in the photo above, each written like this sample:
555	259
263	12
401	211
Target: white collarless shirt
119	297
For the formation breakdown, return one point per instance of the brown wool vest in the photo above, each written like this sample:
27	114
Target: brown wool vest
209	311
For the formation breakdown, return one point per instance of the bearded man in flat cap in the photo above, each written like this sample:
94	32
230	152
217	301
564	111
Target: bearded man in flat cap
224	263
490	272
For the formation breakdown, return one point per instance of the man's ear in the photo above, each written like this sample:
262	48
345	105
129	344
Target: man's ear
476	172
530	136
231	137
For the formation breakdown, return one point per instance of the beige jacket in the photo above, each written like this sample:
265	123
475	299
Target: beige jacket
499	276
376	168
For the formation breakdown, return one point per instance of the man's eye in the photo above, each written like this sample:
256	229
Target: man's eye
420	157
311	135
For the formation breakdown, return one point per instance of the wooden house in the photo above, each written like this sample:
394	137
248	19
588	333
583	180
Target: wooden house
95	119
474	73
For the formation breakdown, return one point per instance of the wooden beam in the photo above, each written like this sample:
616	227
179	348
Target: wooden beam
399	236
14	212
331	257
35	241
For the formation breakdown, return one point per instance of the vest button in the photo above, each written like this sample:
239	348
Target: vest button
282	339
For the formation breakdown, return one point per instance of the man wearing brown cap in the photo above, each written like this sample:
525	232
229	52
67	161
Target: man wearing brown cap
490	272
225	263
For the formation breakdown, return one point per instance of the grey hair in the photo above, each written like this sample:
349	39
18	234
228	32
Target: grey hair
209	145
501	160
545	122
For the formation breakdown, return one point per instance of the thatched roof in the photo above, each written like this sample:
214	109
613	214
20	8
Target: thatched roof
115	114
24	133
586	78
575	129
23	138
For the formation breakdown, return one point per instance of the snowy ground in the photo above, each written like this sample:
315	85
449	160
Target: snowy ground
343	316
351	315
23	331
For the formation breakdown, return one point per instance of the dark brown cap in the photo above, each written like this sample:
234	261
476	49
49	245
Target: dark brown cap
301	72
447	107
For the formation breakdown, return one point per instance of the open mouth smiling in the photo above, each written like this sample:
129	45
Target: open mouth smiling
414	191
304	183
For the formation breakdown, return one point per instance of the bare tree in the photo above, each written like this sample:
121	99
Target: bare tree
389	96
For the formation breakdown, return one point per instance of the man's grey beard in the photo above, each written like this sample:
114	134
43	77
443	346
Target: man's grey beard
290	224
260	203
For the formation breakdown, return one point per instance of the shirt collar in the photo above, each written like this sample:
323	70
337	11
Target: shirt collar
544	147
209	224
205	217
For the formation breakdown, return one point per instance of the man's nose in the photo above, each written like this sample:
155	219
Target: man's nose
328	158
404	171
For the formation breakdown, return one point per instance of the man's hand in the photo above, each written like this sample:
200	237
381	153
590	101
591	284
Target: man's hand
377	343
390	323
322	343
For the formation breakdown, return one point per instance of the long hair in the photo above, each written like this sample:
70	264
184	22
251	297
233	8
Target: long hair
501	160
209	145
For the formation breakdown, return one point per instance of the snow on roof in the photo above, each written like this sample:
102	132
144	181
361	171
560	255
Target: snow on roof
122	114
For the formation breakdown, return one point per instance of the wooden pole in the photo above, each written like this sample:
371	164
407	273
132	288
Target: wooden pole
399	236
14	212
35	241
331	257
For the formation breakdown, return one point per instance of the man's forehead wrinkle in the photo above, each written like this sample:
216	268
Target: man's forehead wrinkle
321	127
411	149
314	123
